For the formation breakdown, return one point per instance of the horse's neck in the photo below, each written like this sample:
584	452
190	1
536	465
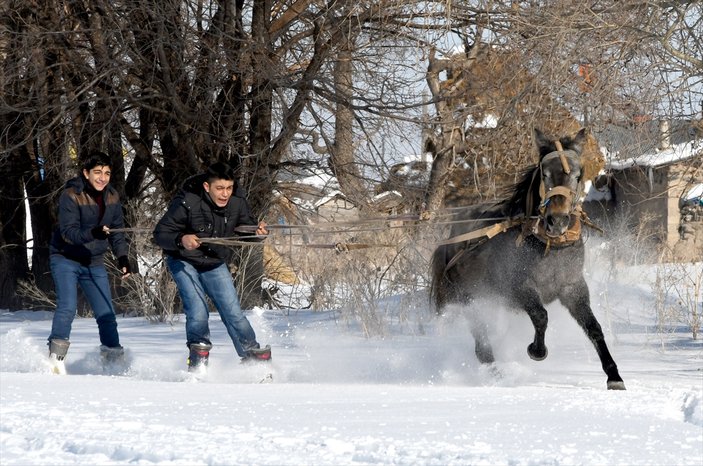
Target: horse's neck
517	208
525	200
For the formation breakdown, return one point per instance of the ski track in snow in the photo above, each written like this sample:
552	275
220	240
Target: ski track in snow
338	398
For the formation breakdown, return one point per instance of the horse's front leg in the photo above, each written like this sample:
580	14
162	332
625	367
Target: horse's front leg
577	300
530	302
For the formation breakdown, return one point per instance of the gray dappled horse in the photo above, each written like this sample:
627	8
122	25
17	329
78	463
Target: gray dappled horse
527	250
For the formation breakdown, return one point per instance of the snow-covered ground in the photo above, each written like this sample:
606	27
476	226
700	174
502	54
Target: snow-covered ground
415	396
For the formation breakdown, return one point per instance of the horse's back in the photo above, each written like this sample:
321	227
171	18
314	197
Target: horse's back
476	216
459	265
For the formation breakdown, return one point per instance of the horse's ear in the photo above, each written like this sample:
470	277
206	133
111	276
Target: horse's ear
577	142
543	144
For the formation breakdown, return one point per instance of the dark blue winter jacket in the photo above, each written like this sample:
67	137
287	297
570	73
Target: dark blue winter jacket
78	214
193	212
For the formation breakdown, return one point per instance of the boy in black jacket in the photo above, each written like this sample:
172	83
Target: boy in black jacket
208	206
88	208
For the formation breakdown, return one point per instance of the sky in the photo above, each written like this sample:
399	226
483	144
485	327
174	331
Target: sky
331	396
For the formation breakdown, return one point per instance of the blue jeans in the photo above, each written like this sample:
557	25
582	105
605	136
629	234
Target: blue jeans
68	274
195	287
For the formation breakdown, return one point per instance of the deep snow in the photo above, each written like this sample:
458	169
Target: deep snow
414	396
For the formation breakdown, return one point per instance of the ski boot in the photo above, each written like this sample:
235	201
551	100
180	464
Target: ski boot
57	352
111	355
113	359
198	357
258	354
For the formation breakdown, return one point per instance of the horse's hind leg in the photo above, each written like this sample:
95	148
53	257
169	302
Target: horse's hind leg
579	306
483	349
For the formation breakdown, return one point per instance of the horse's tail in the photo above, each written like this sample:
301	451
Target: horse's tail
438	267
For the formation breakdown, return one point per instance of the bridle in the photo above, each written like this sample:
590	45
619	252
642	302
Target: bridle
573	198
535	226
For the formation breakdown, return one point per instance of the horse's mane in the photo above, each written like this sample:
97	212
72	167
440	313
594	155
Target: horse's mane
515	195
518	197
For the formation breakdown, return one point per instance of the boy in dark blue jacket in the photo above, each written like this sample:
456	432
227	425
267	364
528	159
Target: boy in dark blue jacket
208	206
88	208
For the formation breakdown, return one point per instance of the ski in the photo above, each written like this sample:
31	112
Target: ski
57	366
57	351
202	375
259	354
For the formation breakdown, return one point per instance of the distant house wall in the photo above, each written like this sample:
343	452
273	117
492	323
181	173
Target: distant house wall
650	197
680	181
641	193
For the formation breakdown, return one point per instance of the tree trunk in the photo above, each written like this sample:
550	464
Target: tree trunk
342	160
43	213
451	138
259	184
13	246
249	262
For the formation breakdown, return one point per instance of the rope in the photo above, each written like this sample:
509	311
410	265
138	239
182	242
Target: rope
234	240
131	230
331	227
503	223
346	247
339	247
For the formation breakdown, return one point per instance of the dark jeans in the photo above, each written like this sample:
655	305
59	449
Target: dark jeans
93	281
195	287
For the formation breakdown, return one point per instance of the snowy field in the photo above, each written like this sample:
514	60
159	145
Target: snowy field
416	396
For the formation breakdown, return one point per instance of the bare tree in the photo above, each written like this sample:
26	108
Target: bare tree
167	87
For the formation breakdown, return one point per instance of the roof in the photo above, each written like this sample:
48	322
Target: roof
638	145
658	158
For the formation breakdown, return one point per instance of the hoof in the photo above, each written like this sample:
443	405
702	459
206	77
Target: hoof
495	372
616	385
537	355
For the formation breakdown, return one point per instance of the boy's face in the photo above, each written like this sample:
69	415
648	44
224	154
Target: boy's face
98	176
220	191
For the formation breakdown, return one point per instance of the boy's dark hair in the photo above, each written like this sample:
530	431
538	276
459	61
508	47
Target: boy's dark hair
220	171
96	159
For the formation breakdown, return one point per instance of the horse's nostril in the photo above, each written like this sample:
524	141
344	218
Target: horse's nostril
550	220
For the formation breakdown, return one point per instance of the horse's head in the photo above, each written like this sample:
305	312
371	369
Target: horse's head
561	183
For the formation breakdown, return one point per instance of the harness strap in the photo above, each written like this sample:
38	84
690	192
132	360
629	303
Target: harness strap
489	232
530	227
562	157
558	191
564	163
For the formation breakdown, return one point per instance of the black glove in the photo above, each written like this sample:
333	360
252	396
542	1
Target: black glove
98	232
123	263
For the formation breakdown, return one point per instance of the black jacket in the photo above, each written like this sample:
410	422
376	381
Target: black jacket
193	212
78	214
